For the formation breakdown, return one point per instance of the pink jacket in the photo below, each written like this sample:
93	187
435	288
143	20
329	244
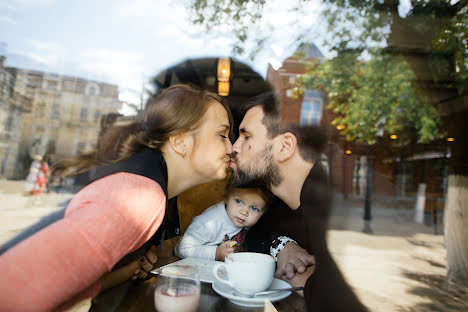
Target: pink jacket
63	263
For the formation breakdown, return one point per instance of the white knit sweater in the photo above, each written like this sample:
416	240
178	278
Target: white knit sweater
205	233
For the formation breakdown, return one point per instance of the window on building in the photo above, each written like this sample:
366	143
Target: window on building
55	111
51	85
9	123
92	90
97	115
81	147
51	147
311	109
85	101
83	114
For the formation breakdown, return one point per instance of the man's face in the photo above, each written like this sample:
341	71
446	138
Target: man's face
252	158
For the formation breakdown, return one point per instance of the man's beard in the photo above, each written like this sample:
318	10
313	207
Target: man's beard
266	174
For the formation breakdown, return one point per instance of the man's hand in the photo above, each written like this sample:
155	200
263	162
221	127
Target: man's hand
223	250
293	258
300	279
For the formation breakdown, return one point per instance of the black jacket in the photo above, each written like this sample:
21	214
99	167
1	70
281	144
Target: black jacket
326	289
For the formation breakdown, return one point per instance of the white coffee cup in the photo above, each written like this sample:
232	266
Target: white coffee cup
247	272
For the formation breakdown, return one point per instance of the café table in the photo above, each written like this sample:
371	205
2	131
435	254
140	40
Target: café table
138	296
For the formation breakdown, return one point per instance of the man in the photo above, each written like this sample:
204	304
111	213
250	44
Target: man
283	158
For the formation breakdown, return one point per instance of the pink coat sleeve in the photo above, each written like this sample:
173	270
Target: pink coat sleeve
105	221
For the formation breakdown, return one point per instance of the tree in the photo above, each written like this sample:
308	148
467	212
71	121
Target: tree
370	96
368	39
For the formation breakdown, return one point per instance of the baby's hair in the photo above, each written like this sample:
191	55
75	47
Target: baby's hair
264	193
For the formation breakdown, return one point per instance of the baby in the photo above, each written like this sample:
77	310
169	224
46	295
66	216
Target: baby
220	229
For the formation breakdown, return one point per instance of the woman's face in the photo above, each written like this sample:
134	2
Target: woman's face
210	154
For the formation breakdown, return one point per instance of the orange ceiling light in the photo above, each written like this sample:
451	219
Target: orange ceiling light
450	139
224	75
223	88
393	137
224	69
348	152
340	127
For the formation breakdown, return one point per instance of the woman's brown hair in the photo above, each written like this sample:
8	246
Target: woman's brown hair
177	109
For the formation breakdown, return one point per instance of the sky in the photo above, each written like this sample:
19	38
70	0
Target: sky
127	42
124	42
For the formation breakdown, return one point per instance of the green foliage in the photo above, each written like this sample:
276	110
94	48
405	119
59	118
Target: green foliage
452	38
233	16
371	91
374	97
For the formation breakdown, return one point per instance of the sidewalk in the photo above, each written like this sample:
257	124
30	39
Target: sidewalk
400	267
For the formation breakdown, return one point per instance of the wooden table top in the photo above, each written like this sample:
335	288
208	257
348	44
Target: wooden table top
136	296
139	297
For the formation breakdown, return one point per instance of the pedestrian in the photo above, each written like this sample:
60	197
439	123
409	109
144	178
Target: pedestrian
31	185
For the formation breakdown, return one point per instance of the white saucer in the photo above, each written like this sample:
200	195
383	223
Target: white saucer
228	292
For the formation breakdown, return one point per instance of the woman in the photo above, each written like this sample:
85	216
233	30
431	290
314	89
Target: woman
31	179
181	141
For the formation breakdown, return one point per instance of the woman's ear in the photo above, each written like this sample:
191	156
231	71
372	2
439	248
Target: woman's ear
288	145
178	144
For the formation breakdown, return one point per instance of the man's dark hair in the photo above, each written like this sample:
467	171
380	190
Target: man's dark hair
267	101
311	139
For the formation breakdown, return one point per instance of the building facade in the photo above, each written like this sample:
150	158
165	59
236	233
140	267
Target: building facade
63	118
13	104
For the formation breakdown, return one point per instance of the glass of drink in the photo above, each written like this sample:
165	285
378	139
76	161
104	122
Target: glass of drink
177	289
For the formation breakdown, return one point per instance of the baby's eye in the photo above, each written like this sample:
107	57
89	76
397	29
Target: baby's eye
238	201
254	208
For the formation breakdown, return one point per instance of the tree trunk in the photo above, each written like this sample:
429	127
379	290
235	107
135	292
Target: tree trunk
456	229
456	208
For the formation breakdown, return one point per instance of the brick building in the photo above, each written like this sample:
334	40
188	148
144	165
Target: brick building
310	108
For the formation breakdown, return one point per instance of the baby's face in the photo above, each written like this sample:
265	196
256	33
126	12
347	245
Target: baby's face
244	207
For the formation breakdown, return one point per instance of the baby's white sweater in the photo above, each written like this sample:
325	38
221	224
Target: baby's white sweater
205	233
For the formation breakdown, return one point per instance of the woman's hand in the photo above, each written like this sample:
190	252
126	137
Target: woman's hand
225	249
146	264
133	270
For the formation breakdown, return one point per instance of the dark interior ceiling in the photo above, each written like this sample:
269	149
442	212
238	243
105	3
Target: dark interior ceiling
244	82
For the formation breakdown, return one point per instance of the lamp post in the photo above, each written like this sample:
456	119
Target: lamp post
367	200
370	179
